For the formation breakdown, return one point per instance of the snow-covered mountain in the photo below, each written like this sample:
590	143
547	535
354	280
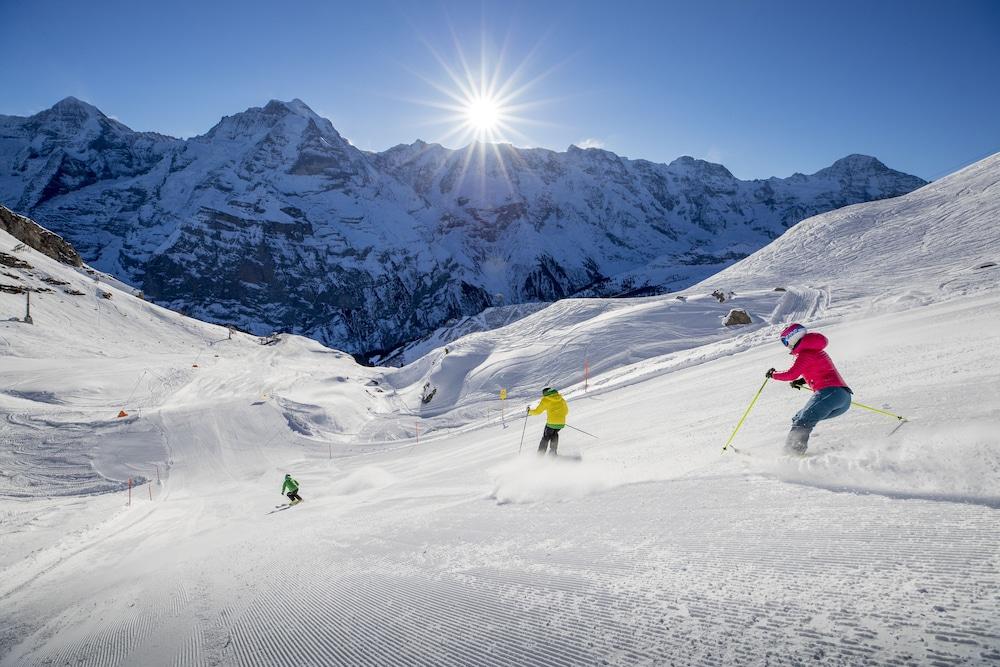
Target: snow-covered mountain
272	220
426	539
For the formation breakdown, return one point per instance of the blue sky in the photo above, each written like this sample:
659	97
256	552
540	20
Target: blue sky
766	88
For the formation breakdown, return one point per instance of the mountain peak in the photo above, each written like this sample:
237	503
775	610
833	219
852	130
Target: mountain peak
295	106
702	167
287	116
857	161
74	106
70	101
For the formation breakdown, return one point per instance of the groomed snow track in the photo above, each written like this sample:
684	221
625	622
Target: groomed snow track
694	589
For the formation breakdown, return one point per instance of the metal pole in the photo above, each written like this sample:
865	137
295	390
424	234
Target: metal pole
582	431
881	412
868	407
523	429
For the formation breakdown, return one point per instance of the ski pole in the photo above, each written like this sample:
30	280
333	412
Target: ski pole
749	408
523	429
881	412
582	431
868	407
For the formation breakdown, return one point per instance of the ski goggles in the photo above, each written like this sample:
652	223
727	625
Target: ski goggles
791	335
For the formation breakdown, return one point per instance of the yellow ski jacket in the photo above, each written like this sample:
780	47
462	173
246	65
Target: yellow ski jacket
555	408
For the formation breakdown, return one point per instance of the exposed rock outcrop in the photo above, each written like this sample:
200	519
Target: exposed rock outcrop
737	317
33	235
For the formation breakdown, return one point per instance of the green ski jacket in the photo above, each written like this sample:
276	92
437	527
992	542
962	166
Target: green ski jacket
289	485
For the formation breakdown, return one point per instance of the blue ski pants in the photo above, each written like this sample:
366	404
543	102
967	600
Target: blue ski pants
824	404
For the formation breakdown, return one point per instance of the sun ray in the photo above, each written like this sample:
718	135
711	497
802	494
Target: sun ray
486	102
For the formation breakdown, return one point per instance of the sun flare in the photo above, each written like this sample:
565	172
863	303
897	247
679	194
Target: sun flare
485	101
483	115
482	110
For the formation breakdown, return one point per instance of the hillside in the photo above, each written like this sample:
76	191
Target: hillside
425	539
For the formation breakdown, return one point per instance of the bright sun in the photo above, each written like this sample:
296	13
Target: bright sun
484	101
483	115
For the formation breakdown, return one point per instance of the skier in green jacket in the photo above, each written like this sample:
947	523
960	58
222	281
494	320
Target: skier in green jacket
291	489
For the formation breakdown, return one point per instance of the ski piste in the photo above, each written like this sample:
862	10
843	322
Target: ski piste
412	552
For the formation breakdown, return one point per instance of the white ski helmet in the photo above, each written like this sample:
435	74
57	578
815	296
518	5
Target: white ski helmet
792	334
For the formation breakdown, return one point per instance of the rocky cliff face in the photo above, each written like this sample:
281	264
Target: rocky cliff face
272	220
37	237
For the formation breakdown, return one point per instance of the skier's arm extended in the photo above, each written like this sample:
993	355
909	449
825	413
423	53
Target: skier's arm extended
792	373
542	405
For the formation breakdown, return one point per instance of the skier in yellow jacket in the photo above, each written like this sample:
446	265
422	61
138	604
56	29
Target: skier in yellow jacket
555	409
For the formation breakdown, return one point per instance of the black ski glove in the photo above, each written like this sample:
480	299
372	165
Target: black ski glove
798	384
527	408
770	372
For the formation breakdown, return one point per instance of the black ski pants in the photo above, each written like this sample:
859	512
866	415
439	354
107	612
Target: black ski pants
294	495
550	440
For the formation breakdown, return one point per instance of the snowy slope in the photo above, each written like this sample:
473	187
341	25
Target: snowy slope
939	241
452	550
107	350
273	220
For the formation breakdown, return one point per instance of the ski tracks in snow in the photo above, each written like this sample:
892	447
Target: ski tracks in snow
690	578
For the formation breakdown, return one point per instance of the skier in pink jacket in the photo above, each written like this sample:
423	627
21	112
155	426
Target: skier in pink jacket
813	366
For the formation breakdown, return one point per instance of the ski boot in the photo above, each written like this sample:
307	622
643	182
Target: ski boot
798	440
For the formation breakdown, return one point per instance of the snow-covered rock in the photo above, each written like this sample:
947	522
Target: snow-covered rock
272	220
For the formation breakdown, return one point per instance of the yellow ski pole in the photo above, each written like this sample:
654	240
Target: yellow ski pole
881	412
749	408
868	407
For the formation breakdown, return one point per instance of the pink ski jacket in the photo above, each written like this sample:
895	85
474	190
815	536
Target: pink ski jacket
812	363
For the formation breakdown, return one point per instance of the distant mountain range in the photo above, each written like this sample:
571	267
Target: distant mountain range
272	220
